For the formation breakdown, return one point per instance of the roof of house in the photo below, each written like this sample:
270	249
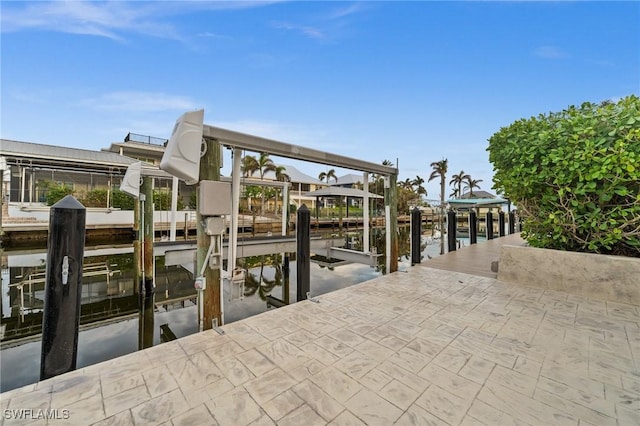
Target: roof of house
477	194
349	179
49	153
294	174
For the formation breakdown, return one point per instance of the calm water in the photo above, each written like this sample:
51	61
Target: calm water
112	323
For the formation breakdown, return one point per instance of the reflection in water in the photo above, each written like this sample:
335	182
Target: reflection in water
259	282
145	321
116	319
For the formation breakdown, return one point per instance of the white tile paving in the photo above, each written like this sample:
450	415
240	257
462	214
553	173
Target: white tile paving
425	347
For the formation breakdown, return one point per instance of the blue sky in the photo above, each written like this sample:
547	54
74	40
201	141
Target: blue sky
408	81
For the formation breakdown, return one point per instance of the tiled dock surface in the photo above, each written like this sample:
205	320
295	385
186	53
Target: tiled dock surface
423	347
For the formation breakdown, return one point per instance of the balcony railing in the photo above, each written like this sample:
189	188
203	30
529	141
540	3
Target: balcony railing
134	137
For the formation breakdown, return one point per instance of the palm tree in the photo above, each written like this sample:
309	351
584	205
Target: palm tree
454	194
440	169
377	186
457	180
249	166
419	189
264	164
331	174
282	176
472	183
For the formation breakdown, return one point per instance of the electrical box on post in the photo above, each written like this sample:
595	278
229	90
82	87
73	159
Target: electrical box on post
200	283
214	225
214	198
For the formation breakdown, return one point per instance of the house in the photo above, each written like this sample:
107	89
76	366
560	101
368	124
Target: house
144	148
301	184
350	180
34	167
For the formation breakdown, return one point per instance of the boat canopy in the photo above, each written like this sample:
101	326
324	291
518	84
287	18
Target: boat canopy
339	191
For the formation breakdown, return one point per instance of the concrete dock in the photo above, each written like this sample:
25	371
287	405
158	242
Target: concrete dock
422	347
474	259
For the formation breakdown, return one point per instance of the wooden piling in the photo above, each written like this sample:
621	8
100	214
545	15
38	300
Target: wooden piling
303	256
473	227
451	230
148	234
63	288
209	170
416	233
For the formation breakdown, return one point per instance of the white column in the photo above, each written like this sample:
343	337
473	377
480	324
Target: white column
387	222
174	208
366	245
285	207
235	209
31	186
23	173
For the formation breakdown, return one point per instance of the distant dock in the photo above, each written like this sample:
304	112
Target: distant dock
20	230
474	259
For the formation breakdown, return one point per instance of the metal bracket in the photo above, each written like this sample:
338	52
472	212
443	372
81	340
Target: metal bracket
312	299
65	270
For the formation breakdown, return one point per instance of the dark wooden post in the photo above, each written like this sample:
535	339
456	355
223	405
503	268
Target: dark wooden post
63	287
416	233
451	230
473	227
489	225
286	285
501	223
512	223
146	320
303	256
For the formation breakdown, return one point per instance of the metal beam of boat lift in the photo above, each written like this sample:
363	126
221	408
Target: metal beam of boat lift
185	257
238	141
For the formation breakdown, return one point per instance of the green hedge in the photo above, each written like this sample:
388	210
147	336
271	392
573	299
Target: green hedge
56	192
575	176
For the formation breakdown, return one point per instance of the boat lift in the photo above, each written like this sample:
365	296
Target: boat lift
238	141
182	159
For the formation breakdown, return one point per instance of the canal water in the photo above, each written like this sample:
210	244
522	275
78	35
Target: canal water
113	323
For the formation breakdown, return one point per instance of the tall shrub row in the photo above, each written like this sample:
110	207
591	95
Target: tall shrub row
575	176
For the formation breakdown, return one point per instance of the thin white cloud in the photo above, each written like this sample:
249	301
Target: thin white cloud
328	24
309	31
111	19
208	34
348	10
140	102
549	52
